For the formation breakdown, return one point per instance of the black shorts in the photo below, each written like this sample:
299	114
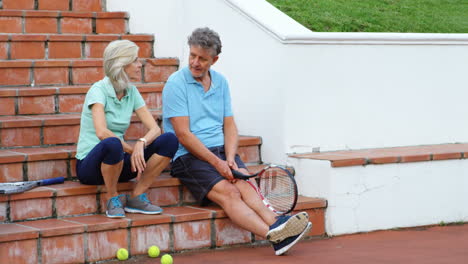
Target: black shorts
199	176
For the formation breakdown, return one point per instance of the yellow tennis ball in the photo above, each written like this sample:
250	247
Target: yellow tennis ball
153	251
122	254
166	259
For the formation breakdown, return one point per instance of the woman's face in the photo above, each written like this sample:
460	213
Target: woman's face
133	70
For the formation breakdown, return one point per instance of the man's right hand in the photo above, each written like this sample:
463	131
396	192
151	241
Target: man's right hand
223	168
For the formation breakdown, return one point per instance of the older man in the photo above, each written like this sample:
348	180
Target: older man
197	108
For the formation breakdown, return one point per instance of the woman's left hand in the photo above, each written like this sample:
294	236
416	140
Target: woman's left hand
138	158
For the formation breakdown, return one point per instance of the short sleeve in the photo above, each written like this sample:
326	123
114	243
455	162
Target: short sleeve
138	99
95	95
227	100
174	99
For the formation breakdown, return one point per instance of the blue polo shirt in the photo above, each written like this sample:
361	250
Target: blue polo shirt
118	113
184	96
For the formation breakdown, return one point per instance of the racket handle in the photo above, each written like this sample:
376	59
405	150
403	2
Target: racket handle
239	175
52	181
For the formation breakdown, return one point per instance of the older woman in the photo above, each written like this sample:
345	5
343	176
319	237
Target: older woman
103	157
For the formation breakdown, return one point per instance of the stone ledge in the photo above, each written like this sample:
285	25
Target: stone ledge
346	158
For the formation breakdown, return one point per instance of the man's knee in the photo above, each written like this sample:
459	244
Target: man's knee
225	193
113	150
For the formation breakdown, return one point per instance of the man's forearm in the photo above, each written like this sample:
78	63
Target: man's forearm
231	138
231	142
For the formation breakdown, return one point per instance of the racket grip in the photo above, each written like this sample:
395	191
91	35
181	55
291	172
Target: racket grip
239	175
52	181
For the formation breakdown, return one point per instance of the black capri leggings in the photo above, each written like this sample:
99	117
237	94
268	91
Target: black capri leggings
110	151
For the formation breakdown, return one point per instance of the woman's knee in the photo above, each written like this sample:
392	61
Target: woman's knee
113	150
170	144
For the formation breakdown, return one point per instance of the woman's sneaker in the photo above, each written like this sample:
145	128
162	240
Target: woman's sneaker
283	246
141	204
115	207
287	226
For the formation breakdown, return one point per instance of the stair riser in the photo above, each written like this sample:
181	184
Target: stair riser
59	103
63	25
66	206
84	246
45	169
14	50
62	5
53	135
65	75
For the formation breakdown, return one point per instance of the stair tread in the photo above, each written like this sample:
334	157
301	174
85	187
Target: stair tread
92	223
13	91
55	13
71	188
303	203
345	158
15	121
87	62
53	152
74	37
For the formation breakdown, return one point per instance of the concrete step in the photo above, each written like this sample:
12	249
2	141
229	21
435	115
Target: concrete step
63	22
75	72
53	129
74	199
37	163
62	5
384	188
66	46
81	239
24	100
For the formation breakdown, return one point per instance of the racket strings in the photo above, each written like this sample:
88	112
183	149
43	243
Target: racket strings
278	188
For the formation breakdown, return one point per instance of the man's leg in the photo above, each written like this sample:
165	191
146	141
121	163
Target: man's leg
229	198
252	199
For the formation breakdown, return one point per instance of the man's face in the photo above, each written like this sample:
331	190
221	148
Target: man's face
200	61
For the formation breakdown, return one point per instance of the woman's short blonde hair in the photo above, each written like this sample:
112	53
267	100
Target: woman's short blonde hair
117	55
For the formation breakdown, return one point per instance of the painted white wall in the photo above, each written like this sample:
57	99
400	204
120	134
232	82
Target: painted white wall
375	197
299	89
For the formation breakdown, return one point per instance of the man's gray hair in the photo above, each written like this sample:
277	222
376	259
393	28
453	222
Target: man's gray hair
117	55
207	39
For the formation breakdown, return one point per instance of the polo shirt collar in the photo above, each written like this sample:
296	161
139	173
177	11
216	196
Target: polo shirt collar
189	77
110	89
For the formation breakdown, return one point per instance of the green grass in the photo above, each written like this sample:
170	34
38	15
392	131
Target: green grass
419	16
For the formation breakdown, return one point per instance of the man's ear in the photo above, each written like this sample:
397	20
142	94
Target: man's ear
215	59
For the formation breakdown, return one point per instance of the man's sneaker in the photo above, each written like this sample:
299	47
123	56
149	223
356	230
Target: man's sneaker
283	246
115	207
142	205
287	226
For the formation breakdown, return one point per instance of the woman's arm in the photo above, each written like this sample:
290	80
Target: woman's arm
100	125
138	157
148	121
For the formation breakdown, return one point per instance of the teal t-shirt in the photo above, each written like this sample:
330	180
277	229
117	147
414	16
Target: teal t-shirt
184	96
118	113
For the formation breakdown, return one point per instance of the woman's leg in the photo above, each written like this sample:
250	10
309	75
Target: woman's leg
158	155
103	165
110	174
154	166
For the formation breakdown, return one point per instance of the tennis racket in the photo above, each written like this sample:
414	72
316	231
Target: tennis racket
18	187
276	187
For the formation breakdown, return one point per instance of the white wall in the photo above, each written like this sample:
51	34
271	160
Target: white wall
299	89
375	197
